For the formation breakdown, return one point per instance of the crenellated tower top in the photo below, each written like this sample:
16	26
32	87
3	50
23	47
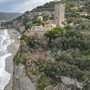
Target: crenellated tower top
61	1
57	0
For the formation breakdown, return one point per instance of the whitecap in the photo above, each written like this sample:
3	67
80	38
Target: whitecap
4	43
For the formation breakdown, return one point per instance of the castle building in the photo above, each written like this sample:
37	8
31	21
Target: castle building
59	14
40	17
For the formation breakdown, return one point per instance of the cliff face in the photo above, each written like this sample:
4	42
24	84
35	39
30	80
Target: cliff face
20	79
56	61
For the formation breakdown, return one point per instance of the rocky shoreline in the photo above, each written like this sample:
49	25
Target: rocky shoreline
12	49
19	80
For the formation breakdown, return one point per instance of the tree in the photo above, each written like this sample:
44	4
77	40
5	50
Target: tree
38	22
56	32
28	25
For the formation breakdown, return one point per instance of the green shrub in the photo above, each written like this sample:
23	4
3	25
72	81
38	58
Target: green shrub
56	32
42	82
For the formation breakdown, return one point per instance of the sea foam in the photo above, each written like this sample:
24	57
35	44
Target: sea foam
4	75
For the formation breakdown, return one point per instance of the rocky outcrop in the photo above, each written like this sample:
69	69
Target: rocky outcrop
68	81
20	79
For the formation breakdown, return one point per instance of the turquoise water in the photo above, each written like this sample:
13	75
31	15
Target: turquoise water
5	41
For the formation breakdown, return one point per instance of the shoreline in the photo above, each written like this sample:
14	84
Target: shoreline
13	48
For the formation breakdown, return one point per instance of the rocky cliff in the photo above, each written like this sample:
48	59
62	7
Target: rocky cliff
59	60
21	80
56	61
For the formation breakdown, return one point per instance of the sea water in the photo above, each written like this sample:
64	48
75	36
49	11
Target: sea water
5	41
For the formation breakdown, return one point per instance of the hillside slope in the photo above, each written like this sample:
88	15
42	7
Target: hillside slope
48	10
59	59
9	16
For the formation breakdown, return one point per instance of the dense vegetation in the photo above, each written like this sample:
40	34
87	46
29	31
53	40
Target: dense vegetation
60	51
69	55
45	7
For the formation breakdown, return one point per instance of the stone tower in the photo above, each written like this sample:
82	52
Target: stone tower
59	16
